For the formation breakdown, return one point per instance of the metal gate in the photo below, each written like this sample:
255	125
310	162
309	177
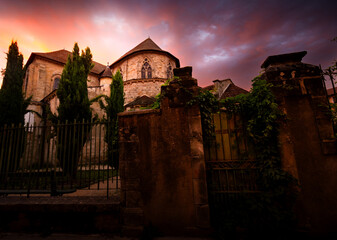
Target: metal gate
231	171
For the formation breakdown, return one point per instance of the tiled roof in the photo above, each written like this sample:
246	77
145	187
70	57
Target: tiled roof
146	45
61	56
142	101
209	88
107	73
233	91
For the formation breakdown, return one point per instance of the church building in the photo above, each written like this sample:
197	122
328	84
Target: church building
144	69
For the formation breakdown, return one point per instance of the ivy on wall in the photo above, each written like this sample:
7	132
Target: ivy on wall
278	188
271	209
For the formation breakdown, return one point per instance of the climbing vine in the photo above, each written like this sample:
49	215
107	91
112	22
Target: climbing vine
278	188
272	207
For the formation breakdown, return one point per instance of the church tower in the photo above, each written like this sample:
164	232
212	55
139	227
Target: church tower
144	69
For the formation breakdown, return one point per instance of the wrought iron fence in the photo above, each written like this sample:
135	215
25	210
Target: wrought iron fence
70	158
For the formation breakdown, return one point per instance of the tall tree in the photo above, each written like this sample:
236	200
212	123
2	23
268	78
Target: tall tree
74	107
73	90
13	107
114	105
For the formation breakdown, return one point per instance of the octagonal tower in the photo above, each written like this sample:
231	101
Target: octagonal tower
144	69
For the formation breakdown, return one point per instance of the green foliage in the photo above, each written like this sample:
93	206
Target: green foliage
114	105
159	96
156	104
73	89
273	207
208	105
74	107
13	106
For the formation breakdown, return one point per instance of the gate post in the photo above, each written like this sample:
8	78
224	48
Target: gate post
163	177
307	143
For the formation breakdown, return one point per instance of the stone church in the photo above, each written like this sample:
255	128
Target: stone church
144	69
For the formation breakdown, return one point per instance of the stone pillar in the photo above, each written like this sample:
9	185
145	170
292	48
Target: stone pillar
308	146
162	164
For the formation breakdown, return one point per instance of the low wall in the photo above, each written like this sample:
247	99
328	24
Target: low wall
48	215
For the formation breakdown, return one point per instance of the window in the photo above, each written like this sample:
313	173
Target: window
146	70
29	119
56	83
169	71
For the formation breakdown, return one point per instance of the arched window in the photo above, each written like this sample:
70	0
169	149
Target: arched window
56	83
169	71
146	70
149	72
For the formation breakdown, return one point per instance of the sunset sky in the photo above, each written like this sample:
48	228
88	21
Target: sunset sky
219	39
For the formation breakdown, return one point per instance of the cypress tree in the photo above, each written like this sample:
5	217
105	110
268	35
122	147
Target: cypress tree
73	89
13	107
114	105
74	107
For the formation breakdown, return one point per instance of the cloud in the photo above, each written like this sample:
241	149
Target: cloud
219	38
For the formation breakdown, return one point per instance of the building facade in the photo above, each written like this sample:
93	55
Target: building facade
144	69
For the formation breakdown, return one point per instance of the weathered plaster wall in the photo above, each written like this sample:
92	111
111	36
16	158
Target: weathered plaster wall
162	166
309	150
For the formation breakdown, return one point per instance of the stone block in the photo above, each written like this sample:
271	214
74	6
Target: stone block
197	147
329	146
183	72
200	191
132	169
198	167
202	216
133	199
133	217
132	184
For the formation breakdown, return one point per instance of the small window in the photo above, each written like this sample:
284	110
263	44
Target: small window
29	119
56	83
146	70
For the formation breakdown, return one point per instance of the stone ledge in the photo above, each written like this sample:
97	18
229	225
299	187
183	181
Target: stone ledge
140	112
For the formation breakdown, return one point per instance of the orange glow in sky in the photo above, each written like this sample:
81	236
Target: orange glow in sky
220	39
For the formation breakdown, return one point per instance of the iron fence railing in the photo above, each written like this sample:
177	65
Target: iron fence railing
57	159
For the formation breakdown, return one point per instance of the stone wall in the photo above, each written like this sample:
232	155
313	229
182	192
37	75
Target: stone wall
162	166
41	74
309	150
140	87
134	85
131	66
